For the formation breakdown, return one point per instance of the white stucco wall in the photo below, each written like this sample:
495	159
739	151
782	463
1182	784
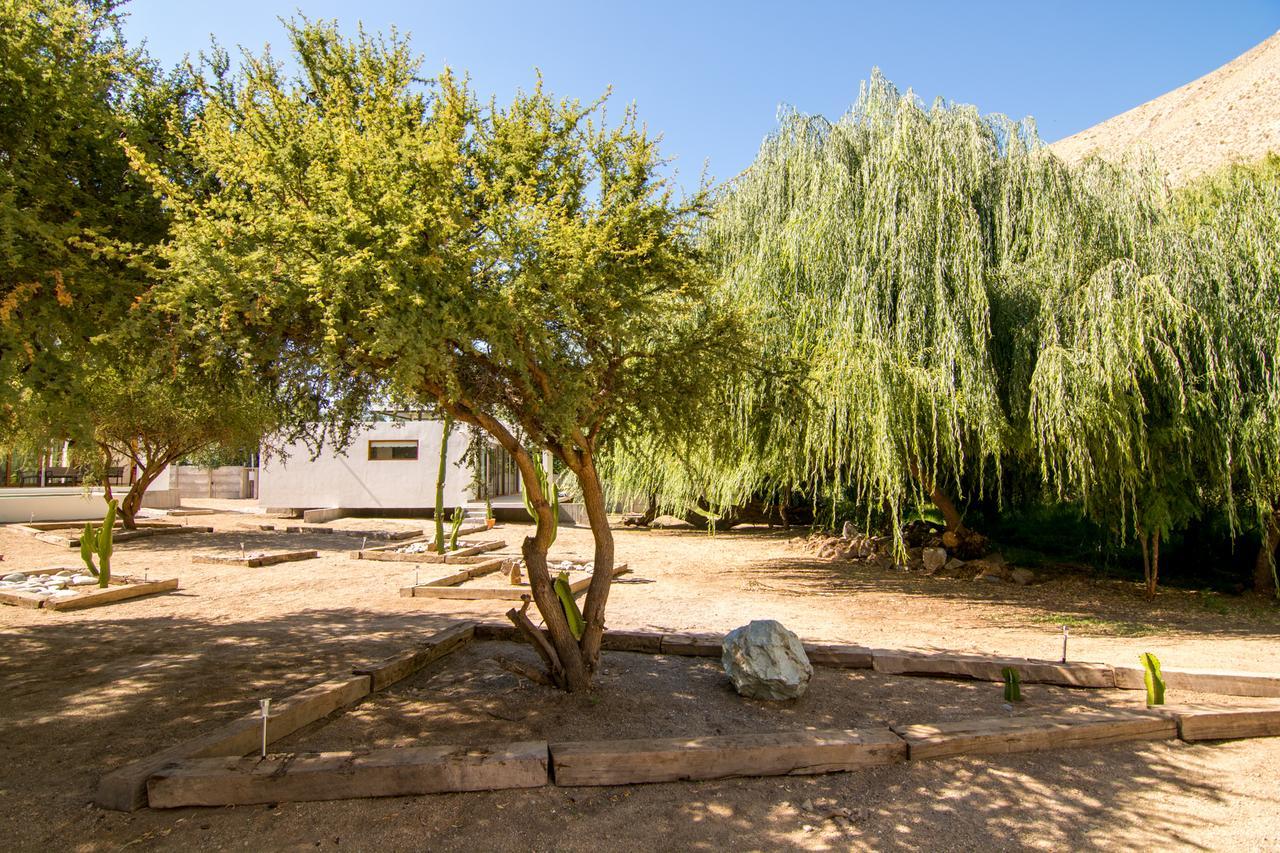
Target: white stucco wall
51	503
353	481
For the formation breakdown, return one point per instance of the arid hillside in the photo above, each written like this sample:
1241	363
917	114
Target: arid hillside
1230	114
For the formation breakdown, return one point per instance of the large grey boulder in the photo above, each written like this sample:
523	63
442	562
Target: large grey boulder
766	661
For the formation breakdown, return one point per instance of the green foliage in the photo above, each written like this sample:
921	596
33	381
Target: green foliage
570	605
488	509
1152	678
100	543
1012	684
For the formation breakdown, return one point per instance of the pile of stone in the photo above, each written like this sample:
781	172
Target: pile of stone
929	551
430	547
45	587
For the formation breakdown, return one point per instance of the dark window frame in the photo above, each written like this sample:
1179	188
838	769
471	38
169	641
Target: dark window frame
398	449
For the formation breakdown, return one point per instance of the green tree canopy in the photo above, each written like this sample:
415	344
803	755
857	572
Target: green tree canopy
526	268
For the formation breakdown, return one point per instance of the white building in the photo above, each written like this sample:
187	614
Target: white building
389	468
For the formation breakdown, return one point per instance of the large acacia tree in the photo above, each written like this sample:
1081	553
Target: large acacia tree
528	269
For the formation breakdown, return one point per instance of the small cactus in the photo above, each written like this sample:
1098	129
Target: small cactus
1012	685
458	515
1153	680
552	496
99	542
577	626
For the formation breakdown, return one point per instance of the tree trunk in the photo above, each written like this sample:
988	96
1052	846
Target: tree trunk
1264	568
602	576
568	668
940	499
440	476
132	501
1150	560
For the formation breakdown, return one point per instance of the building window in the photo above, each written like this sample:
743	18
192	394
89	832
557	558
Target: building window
393	449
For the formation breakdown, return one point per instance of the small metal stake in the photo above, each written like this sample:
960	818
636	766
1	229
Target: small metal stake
265	705
1065	634
242	550
364	543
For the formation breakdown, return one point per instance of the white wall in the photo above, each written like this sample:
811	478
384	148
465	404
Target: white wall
51	503
353	481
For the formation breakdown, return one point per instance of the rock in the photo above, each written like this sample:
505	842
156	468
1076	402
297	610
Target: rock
1022	577
848	531
83	580
950	540
16	577
65	573
766	661
933	559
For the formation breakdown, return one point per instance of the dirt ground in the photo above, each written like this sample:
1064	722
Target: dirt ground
82	692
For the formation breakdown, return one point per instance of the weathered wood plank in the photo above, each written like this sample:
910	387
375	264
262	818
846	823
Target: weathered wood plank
625	762
255	562
497	631
998	735
1226	682
307	777
390	670
649	642
1223	722
112	594
21	599
125	789
498	593
985	668
838	655
692	645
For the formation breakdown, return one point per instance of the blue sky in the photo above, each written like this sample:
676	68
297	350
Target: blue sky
710	75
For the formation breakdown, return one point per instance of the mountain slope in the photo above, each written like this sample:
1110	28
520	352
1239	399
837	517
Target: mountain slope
1231	114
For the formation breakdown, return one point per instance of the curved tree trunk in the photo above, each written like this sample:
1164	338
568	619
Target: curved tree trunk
1264	568
602	577
566	663
940	499
132	501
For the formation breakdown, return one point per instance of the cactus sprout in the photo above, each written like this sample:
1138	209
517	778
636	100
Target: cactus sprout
458	515
99	542
1013	684
1153	680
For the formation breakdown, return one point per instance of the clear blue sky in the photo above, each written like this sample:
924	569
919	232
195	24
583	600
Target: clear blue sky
710	75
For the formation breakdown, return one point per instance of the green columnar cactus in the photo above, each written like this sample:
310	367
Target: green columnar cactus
577	625
99	542
1012	685
488	510
458	515
552	495
1153	680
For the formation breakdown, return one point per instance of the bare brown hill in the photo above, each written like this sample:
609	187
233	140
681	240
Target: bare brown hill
1231	114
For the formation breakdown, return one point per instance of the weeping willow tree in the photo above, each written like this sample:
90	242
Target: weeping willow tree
1232	221
938	300
875	253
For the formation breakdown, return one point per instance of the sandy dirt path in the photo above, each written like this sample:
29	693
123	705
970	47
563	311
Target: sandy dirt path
86	691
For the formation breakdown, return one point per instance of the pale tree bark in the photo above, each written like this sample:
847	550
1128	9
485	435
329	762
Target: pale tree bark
602	577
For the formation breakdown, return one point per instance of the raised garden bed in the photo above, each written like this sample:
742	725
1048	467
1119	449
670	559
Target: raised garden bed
67	534
422	551
498	587
71	589
253	559
458	726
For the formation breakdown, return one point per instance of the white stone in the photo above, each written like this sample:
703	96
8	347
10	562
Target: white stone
934	559
766	661
83	580
15	576
848	531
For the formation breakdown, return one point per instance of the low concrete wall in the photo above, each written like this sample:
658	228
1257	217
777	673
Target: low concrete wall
56	503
